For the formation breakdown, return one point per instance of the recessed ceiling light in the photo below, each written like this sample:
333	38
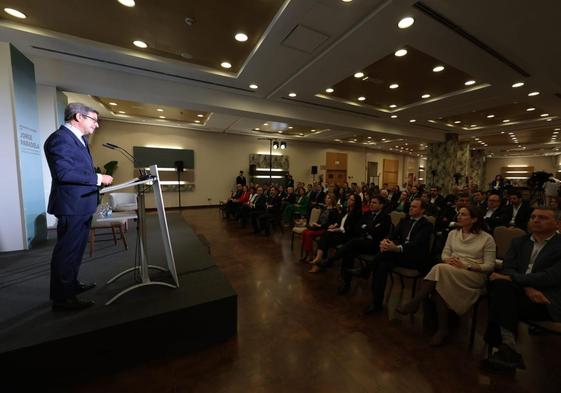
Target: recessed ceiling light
15	13
197	121
394	86
412	121
473	125
241	37
365	78
253	86
518	84
548	119
200	115
469	83
393	116
406	22
346	1
257	129
359	74
544	115
457	122
290	128
329	90
384	139
506	121
502	132
312	130
160	110
490	116
140	44
265	124
113	103
292	94
400	52
162	117
438	68
361	98
225	64
530	109
122	112
127	3
393	106
534	93
425	96
280	132
557	129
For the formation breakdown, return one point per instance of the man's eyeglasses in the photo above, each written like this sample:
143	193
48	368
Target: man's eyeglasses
92	118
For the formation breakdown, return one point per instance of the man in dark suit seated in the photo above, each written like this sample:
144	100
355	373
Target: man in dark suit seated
272	212
436	199
73	200
232	203
528	287
376	226
407	247
495	215
258	208
518	212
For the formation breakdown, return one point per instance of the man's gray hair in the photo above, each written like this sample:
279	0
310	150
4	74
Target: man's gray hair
74	108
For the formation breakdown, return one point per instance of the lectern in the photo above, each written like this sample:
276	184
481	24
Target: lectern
142	266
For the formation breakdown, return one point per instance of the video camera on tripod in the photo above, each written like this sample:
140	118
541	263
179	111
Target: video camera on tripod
536	184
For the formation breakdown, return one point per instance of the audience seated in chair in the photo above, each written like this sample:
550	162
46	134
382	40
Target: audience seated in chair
375	227
518	211
402	204
271	213
256	200
328	217
495	215
337	234
457	282
528	288
300	208
408	247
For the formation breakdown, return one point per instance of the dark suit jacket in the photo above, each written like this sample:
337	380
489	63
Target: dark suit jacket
352	224
74	188
417	248
522	218
498	218
376	226
546	272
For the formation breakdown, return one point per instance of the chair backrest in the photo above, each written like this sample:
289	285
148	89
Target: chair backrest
126	199
431	219
503	236
396	217
314	215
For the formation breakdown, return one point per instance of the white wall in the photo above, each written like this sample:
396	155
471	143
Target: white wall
219	157
494	165
47	107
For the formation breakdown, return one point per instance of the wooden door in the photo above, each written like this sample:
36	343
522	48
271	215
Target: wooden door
391	169
335	177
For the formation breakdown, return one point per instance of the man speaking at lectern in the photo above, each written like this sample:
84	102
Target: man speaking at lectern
73	200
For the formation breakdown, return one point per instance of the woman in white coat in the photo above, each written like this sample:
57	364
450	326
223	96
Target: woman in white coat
457	282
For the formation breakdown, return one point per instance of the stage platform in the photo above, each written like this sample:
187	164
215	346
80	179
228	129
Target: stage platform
148	321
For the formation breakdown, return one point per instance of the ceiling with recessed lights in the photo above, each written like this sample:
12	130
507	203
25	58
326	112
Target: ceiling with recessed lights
212	33
152	111
340	72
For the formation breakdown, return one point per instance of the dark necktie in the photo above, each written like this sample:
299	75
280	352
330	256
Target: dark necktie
411	225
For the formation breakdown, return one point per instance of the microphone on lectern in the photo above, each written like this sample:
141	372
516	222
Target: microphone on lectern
130	157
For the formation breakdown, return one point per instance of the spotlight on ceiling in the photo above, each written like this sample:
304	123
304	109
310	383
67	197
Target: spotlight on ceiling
275	145
15	13
225	64
469	83
438	68
406	22
518	84
400	52
283	145
241	37
127	3
140	44
359	74
253	86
